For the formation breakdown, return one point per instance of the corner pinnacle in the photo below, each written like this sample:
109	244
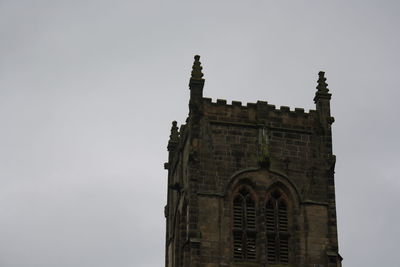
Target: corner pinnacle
322	85
196	69
322	89
174	132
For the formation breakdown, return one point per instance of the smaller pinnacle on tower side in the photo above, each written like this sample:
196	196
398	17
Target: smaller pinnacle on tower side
174	132
322	85
197	74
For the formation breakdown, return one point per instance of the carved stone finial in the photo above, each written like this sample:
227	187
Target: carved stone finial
322	92
322	85
174	137
196	70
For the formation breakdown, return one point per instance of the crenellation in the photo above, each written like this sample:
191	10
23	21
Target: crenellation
285	109
261	111
237	103
221	102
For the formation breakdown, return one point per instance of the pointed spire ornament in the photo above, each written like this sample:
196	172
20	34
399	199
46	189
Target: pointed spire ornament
172	144
322	88
322	85
196	83
174	137
196	69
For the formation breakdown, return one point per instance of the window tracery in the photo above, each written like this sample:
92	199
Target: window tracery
244	226
277	228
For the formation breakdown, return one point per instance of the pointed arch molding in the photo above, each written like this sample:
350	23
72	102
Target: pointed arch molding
256	178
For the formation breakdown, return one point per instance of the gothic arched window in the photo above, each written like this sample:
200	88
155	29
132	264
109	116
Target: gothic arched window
277	228
244	226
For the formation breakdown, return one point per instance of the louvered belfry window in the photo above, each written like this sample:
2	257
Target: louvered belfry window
244	226
276	219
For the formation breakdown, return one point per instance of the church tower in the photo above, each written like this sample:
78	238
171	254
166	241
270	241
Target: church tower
251	185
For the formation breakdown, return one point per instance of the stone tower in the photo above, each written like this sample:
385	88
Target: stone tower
251	185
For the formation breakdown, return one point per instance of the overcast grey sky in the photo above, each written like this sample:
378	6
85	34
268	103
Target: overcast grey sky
88	90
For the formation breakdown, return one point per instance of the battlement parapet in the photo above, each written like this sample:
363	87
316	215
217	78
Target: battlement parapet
256	113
